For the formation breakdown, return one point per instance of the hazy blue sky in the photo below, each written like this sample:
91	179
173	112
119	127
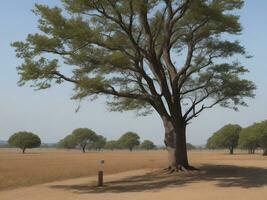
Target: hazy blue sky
51	113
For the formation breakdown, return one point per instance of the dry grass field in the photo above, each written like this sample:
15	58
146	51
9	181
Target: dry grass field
40	166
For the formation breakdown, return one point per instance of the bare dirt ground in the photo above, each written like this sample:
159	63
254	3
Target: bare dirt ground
221	177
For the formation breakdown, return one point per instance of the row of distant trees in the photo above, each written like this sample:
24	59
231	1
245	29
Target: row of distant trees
234	136
82	138
85	138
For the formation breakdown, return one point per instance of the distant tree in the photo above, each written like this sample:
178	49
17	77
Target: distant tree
98	143
24	140
249	138
147	144
226	137
262	135
112	144
69	142
83	136
129	140
190	146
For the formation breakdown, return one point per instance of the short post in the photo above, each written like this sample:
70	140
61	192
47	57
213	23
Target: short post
101	173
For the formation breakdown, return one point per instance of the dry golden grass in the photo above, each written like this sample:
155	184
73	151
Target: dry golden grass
40	166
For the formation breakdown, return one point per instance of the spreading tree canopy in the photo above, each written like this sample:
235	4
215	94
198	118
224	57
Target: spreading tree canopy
262	135
24	140
249	138
69	142
171	56
147	144
83	136
98	143
226	137
129	140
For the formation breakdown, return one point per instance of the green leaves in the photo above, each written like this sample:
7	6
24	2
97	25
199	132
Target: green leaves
80	137
127	50
129	140
24	140
226	137
147	144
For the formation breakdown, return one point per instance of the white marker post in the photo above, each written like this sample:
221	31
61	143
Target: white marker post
101	173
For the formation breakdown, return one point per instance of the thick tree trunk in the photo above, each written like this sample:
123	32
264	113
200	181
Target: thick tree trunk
23	150
175	141
231	150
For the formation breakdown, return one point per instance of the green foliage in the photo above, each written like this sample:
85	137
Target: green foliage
262	135
24	140
249	138
98	143
147	144
111	145
80	137
83	136
190	146
226	137
254	136
129	140
69	142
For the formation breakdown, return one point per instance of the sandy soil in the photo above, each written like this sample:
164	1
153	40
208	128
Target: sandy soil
156	185
221	177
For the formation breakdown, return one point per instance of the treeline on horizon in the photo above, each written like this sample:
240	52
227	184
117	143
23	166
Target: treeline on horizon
83	139
230	136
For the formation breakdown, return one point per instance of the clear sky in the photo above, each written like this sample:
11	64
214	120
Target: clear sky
51	114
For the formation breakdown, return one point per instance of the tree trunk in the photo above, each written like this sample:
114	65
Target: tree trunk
23	150
231	150
175	141
83	149
264	152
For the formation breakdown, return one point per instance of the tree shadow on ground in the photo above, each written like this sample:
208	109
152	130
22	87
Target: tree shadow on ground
221	175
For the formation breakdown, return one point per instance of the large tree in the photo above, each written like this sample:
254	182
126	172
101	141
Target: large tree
171	56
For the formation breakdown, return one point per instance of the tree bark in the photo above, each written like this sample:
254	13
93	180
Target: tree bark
23	150
83	149
175	141
231	150
249	151
264	152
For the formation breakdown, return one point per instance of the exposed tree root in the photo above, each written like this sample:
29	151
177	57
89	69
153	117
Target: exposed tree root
179	168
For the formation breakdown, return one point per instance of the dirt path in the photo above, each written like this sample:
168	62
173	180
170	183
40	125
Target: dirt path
220	182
